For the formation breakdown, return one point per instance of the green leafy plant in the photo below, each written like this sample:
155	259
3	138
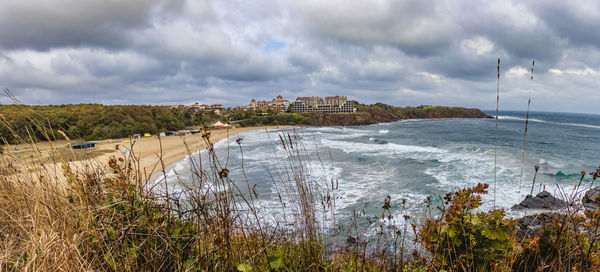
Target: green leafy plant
465	240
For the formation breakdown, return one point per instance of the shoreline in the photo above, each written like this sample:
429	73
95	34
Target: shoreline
52	155
176	149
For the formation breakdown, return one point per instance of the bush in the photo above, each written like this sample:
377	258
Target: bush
460	239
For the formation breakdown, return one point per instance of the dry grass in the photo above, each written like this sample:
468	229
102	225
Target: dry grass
106	217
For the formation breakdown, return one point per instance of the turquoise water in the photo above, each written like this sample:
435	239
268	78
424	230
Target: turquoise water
414	159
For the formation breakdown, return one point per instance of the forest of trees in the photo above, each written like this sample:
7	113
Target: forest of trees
95	121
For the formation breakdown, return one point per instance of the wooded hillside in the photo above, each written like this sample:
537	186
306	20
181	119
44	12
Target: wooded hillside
95	121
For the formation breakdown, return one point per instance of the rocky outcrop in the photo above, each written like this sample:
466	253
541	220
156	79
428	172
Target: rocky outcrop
590	200
443	112
541	201
533	225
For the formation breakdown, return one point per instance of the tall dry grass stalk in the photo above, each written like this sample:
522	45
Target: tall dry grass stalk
496	141
525	141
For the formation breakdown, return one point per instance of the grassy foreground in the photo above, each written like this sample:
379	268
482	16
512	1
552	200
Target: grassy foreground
108	217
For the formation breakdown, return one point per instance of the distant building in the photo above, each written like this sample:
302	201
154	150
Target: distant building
215	107
278	104
199	107
331	104
252	104
335	100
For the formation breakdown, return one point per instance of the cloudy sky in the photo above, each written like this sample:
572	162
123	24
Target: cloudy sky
399	52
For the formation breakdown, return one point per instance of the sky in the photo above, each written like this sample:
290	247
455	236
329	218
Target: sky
404	53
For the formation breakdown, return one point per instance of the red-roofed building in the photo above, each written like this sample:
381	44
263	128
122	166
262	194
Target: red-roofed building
278	104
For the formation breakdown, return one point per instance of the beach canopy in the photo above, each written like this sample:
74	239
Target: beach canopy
219	124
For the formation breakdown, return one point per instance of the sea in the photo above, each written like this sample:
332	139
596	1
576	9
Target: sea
414	162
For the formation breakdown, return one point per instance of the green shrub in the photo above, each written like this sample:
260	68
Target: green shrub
464	240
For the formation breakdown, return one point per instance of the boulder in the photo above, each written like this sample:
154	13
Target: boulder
590	200
532	225
541	201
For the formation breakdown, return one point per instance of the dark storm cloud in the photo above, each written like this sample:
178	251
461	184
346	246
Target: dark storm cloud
400	52
42	25
577	22
415	27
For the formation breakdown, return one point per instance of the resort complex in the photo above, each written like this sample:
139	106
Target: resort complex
331	104
197	107
278	104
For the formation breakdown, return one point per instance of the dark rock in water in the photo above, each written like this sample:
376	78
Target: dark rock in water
533	225
542	200
590	200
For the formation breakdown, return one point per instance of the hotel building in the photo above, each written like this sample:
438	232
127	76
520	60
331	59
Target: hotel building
331	104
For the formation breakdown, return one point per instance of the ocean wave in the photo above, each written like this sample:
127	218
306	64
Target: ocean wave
561	175
580	125
551	164
412	120
335	129
501	117
549	122
461	168
349	136
389	148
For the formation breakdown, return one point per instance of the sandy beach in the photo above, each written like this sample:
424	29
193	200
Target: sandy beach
146	150
174	147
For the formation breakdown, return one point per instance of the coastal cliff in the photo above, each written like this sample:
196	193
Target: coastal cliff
363	116
379	113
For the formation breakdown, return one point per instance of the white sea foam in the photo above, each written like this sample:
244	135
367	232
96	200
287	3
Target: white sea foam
381	149
552	164
501	117
549	122
348	136
412	120
466	169
383	131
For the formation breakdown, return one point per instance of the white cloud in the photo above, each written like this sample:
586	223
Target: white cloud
478	45
517	72
586	72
